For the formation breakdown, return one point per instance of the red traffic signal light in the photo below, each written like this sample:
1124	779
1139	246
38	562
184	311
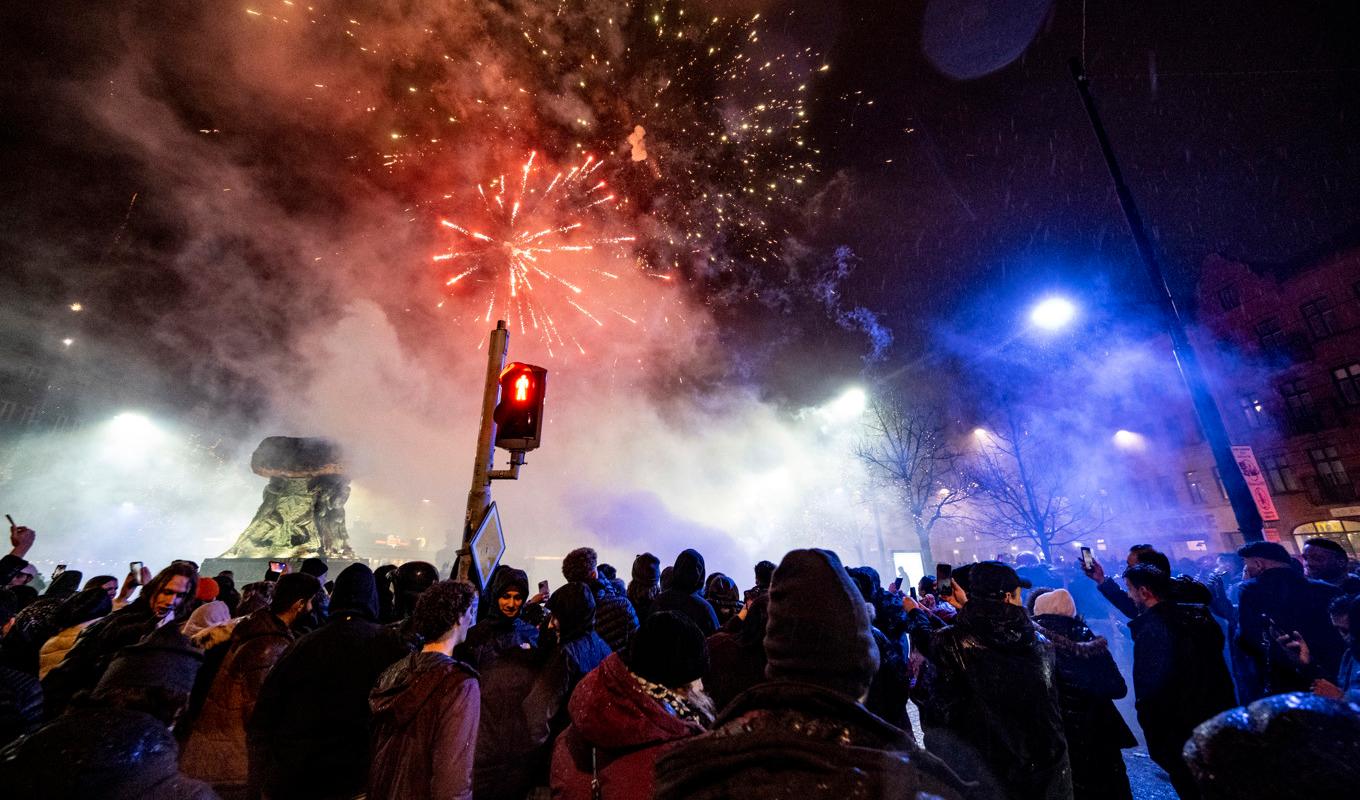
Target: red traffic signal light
519	414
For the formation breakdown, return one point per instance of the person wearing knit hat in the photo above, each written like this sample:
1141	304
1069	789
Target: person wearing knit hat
207	590
803	732
1088	684
624	713
645	585
993	713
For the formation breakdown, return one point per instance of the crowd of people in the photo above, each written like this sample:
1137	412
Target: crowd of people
677	685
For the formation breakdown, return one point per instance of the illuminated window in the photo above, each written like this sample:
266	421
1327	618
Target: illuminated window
1193	488
1253	410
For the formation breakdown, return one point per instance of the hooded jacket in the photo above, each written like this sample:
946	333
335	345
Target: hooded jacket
37	623
994	713
1088	684
682	596
497	633
615	620
579	650
216	749
786	739
736	658
426	710
624	726
507	765
309	735
108	753
94	649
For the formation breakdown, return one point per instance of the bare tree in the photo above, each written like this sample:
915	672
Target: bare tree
907	447
1026	489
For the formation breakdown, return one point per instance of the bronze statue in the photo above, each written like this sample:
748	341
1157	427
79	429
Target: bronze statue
303	511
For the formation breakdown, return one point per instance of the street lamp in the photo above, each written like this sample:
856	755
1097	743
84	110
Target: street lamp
1129	440
1053	313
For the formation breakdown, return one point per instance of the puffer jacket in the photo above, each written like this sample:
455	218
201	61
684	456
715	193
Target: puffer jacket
94	649
38	622
785	739
21	704
617	731
426	710
615	620
1088	684
109	753
216	750
54	650
687	580
994	713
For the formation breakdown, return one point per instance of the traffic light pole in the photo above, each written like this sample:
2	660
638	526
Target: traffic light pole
1206	410
479	496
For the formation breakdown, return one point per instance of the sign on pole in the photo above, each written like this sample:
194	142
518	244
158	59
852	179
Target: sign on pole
488	545
1256	482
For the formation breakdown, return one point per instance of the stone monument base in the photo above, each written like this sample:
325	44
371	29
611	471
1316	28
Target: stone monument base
250	570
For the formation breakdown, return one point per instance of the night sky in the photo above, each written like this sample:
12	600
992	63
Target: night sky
1238	126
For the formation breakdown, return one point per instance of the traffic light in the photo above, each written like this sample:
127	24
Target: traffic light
519	414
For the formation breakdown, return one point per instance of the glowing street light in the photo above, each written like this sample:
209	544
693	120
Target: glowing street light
1129	440
849	405
1053	313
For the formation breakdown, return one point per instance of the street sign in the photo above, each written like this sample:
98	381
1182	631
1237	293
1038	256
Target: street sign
488	545
1256	482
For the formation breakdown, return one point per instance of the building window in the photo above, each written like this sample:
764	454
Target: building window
1279	474
1228	298
1194	489
1222	488
1328	464
1253	410
1270	335
1320	317
1298	401
1348	383
1166	491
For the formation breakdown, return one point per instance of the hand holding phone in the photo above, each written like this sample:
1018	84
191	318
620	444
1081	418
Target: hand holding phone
896	585
944	580
543	588
135	572
20	538
56	573
1088	561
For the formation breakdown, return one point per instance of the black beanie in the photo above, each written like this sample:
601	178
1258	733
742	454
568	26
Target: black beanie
647	569
818	631
668	649
163	659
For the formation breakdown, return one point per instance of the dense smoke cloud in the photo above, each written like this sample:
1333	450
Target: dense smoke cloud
292	162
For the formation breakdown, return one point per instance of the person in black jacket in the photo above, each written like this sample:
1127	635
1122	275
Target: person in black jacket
645	585
502	629
1179	676
309	735
682	594
1088	684
36	624
577	650
21	700
1275	594
891	687
615	620
1184	589
994	715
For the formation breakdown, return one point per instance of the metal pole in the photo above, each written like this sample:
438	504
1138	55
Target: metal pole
1206	410
479	496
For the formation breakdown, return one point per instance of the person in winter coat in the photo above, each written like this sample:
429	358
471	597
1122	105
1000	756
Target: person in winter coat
1179	676
216	749
994	713
308	737
163	602
21	701
36	624
624	713
501	629
615	620
687	580
1274	593
1239	754
645	585
1088	684
803	733
75	615
507	765
891	687
722	593
426	707
736	660
114	742
578	650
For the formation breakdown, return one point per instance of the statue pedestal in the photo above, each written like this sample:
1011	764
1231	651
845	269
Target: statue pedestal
250	570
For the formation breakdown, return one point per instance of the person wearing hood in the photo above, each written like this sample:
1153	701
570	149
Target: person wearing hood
163	602
645	585
994	713
426	707
409	582
216	749
615	620
75	615
722	593
501	627
736	654
1088	684
891	687
37	623
115	742
682	596
577	651
308	737
1179	676
624	713
804	733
